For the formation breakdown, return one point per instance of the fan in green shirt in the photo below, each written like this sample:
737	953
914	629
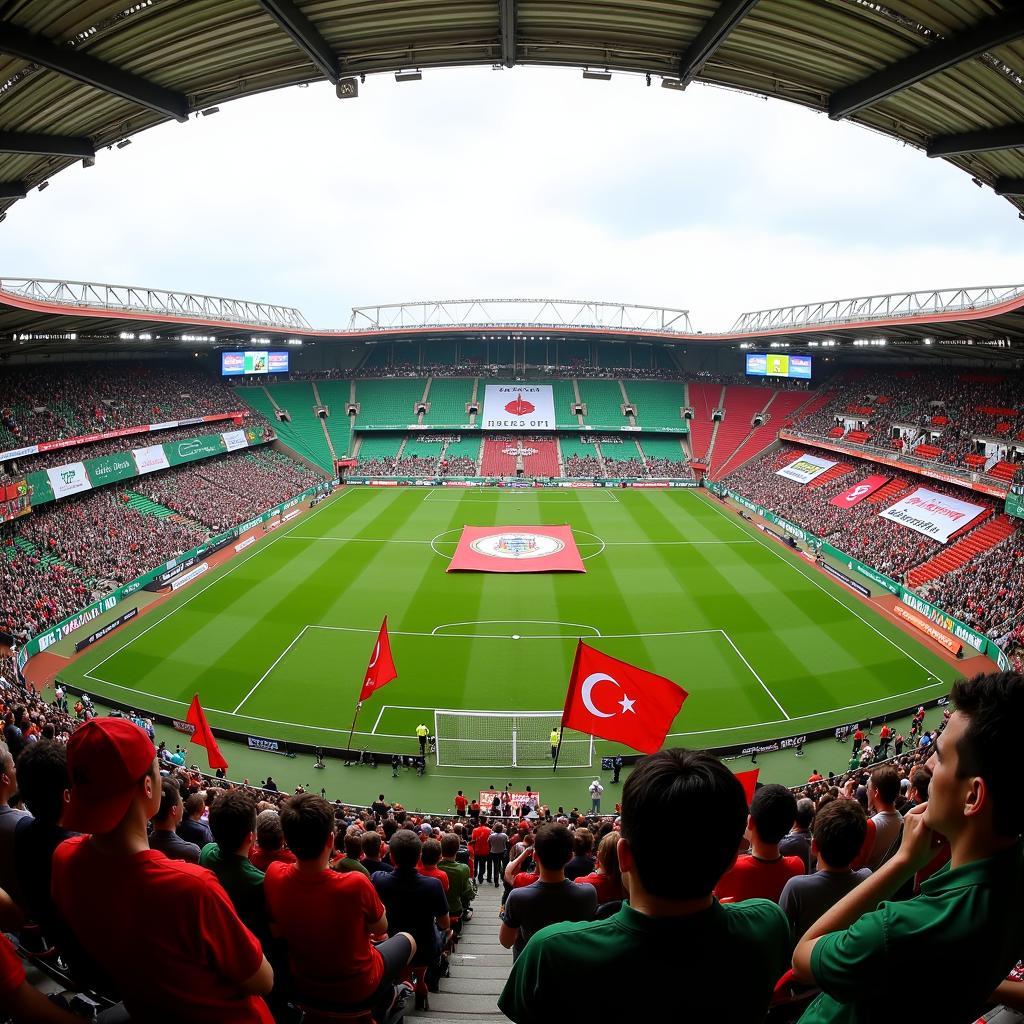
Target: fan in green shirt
460	886
672	946
965	929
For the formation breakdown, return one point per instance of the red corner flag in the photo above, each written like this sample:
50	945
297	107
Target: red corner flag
617	701
202	736
381	669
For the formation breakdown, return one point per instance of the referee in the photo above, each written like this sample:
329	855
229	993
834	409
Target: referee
422	732
553	739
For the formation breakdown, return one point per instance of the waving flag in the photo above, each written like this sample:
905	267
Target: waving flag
617	701
748	780
203	735
381	669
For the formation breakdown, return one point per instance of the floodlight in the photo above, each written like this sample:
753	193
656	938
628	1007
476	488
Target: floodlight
408	76
672	83
43	186
210	110
123	143
598	76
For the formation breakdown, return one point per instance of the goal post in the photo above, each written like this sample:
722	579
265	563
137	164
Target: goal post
506	739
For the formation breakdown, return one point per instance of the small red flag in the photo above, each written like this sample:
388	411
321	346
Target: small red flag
203	736
748	780
617	701
381	669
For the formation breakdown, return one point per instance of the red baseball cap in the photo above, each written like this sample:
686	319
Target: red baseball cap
107	757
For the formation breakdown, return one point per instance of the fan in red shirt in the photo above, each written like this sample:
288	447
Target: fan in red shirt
606	879
461	803
429	856
764	871
480	841
269	847
201	964
327	918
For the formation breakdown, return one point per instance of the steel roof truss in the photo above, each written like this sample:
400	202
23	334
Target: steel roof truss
1010	136
916	67
715	31
46	145
305	35
508	27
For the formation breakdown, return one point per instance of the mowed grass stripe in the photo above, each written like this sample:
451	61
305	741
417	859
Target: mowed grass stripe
810	650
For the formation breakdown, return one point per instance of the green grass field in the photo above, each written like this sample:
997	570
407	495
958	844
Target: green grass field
275	642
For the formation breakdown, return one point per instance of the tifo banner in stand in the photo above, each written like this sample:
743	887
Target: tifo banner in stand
519	407
150	459
516	549
935	515
68	480
517	800
858	492
805	468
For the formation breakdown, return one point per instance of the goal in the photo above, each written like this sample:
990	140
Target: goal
506	739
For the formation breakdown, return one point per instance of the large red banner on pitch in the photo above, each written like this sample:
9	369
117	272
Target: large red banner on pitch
516	549
858	492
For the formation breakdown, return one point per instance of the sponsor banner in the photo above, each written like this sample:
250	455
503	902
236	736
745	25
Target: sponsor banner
792	529
108	469
193	448
683	483
192	574
73	442
291	515
234	439
935	515
272	524
382	483
858	492
459	483
259	743
576	483
518	407
805	469
927	627
245	543
844	579
766	748
959	629
68	480
186	727
150	459
642	484
81	645
516	549
175	567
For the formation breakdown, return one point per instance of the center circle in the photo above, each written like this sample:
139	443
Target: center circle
516	544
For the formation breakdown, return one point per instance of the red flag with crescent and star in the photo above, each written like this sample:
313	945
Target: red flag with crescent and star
381	669
618	701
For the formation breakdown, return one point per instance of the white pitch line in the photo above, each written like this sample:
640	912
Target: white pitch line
492	622
796	568
237	564
277	660
608	543
755	675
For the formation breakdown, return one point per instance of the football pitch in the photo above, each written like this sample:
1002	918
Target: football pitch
275	641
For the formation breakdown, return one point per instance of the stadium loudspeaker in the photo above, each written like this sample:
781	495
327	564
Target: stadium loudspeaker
347	89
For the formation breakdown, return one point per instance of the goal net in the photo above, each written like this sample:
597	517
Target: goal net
506	739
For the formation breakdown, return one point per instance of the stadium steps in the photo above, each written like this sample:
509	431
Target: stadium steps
336	395
480	967
994	532
1004	471
894	489
147	507
626	401
703	399
323	424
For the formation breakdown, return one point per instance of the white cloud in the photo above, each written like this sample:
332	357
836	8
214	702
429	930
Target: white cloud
525	182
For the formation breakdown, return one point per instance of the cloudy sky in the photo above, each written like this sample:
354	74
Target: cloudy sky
521	183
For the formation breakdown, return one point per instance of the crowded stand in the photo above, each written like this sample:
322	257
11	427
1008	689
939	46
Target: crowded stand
75	400
583	466
458	465
624	468
272	902
224	491
662	468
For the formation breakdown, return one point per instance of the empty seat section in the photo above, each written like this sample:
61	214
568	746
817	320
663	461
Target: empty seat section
388	403
953	556
545	460
742	404
420	446
663	447
657	403
603	399
703	400
304	434
564	399
379	446
447	400
496	462
779	414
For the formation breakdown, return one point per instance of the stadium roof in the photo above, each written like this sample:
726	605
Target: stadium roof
984	323
946	76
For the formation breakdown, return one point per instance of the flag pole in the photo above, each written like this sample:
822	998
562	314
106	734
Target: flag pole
359	705
561	724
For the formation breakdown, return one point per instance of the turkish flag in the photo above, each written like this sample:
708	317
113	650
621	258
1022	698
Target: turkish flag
748	780
617	701
203	735
381	669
